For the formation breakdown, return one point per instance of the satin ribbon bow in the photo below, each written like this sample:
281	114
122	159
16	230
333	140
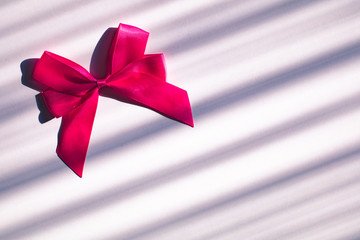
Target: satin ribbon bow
72	92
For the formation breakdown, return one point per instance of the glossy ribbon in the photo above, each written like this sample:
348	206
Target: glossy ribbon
72	92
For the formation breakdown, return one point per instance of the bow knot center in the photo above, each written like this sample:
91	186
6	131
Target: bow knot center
101	82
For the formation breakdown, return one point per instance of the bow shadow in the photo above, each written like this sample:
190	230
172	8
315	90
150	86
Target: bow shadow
97	69
27	68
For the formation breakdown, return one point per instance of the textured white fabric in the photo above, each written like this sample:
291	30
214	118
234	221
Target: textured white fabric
275	152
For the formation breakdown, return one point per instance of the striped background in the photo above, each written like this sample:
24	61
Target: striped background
275	152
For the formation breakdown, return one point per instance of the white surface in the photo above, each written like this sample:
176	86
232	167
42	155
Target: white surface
275	152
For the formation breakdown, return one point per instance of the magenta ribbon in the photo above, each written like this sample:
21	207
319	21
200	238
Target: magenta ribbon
132	76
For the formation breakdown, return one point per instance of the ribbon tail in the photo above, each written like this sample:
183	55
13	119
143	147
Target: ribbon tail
172	102
75	131
162	97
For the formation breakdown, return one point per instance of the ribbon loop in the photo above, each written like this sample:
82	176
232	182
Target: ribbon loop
128	45
62	75
72	92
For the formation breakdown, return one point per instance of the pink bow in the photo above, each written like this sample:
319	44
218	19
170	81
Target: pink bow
72	92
